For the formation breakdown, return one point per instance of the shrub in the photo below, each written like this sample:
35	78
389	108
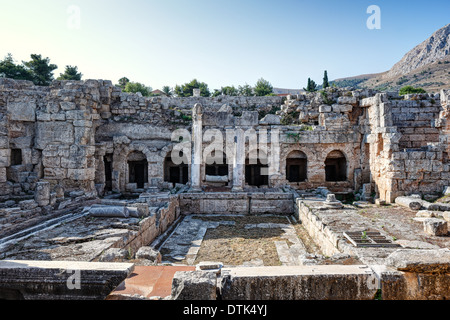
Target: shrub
411	89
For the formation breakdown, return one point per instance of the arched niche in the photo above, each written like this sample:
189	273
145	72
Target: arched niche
296	167
336	167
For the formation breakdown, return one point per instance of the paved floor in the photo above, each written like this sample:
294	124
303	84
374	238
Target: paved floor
153	282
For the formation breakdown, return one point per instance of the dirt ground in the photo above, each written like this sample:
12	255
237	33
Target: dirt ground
235	245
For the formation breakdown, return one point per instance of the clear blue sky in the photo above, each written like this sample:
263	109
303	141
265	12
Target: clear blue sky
233	42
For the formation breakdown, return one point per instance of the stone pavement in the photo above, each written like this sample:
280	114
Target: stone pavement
154	283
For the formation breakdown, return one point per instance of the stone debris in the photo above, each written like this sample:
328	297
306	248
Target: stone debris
109	212
149	253
195	285
436	227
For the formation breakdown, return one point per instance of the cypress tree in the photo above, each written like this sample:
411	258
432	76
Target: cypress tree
325	80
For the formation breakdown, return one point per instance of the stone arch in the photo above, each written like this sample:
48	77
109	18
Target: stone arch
296	166
174	171
137	165
336	166
217	164
257	170
121	169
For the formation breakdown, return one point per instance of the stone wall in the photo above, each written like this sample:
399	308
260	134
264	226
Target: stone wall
62	134
237	203
408	145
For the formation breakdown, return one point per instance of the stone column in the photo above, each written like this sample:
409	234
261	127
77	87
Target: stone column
239	161
197	139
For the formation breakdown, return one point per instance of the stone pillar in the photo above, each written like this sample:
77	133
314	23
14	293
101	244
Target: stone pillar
197	139
42	193
239	161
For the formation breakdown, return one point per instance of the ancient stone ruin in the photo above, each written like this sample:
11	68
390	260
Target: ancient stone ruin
89	173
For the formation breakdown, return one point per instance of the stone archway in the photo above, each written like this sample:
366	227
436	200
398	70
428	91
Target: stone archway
336	167
296	166
257	170
174	171
137	169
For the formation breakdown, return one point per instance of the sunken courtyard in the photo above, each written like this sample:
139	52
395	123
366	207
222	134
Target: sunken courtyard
335	195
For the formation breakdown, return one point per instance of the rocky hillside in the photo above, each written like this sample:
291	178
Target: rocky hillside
426	66
435	48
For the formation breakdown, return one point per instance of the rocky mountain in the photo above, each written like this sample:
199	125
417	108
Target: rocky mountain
435	48
426	66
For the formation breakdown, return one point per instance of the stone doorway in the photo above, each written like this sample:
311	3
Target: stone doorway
336	167
174	173
296	167
256	174
138	169
107	160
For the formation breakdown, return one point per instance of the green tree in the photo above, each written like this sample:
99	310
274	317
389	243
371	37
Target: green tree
263	88
411	89
227	91
135	87
71	73
311	87
230	91
245	90
325	84
9	69
187	89
41	70
216	93
123	82
167	90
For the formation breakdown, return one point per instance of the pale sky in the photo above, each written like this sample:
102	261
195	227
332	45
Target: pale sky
222	43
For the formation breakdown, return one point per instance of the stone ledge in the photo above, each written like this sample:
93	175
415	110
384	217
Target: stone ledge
420	261
299	283
52	279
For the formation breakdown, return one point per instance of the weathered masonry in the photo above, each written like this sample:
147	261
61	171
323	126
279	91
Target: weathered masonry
90	136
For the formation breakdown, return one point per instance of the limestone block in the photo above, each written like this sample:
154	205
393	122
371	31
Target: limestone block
271	119
347	100
42	193
49	280
419	260
324	108
53	132
425	214
3	177
51	162
22	111
194	285
4	142
66	105
55	173
435	227
78	115
81	174
28	204
346	108
148	253
5	155
446	216
58	117
43	116
113	255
